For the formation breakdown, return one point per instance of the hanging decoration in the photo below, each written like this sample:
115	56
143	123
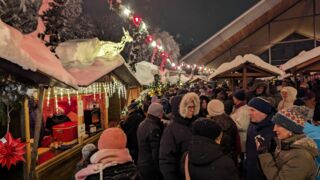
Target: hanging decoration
11	151
141	34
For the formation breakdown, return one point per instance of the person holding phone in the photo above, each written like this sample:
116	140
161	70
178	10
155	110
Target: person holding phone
294	156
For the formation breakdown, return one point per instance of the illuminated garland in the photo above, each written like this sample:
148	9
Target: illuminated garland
141	31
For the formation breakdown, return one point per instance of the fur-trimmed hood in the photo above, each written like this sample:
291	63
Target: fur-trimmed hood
187	98
292	93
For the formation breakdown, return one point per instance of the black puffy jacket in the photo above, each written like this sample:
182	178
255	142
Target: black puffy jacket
208	162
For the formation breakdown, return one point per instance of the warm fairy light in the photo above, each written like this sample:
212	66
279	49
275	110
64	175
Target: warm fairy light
144	26
188	66
126	12
160	47
153	44
173	64
179	68
168	60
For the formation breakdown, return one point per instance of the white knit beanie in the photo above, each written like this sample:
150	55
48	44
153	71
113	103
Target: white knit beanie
215	107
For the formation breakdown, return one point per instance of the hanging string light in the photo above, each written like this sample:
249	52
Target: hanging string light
48	97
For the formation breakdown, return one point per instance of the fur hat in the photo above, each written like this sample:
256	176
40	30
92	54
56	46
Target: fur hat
261	104
186	99
215	107
240	95
291	119
291	91
112	138
155	109
206	128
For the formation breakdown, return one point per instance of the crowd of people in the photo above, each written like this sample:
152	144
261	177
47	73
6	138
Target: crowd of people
202	132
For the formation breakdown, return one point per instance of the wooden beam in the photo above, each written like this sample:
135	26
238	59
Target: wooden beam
240	75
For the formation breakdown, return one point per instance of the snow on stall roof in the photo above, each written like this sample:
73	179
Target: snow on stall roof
239	60
302	57
86	75
145	72
31	54
174	79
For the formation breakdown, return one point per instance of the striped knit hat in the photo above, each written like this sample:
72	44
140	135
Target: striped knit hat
291	119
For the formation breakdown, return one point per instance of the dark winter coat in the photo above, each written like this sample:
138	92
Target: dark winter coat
229	138
175	142
130	127
251	94
208	162
265	129
293	159
127	171
149	136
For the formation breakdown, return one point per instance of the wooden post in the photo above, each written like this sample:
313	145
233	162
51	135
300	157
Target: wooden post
81	127
244	77
27	135
106	111
37	132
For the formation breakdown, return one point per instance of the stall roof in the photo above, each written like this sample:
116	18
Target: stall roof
246	59
126	75
145	72
31	54
86	75
303	60
242	27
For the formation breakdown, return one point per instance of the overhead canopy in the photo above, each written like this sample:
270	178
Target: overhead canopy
256	68
258	29
306	61
31	54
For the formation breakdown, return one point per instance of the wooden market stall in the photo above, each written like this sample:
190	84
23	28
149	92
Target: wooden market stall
103	88
244	67
305	62
26	60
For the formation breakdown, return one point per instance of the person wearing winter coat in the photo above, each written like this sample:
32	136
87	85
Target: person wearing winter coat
261	125
240	115
149	135
228	126
259	89
112	161
205	159
294	157
177	135
204	100
288	95
130	127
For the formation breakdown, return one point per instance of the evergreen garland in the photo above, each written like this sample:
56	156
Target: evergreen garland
20	14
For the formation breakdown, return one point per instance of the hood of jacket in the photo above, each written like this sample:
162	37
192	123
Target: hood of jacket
292	93
186	99
203	151
300	141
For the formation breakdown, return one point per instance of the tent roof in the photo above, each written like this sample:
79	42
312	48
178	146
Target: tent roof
302	61
31	54
257	65
242	27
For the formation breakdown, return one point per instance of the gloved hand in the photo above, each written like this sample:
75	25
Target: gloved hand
262	146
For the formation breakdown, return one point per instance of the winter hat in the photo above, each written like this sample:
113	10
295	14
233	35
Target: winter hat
88	150
206	128
240	95
291	119
133	105
215	107
155	109
261	104
112	138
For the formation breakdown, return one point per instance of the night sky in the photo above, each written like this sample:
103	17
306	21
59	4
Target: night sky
189	22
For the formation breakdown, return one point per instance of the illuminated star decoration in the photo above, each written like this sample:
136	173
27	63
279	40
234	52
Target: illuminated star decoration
11	151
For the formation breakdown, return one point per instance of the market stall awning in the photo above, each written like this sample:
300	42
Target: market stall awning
256	67
86	75
30	53
306	61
